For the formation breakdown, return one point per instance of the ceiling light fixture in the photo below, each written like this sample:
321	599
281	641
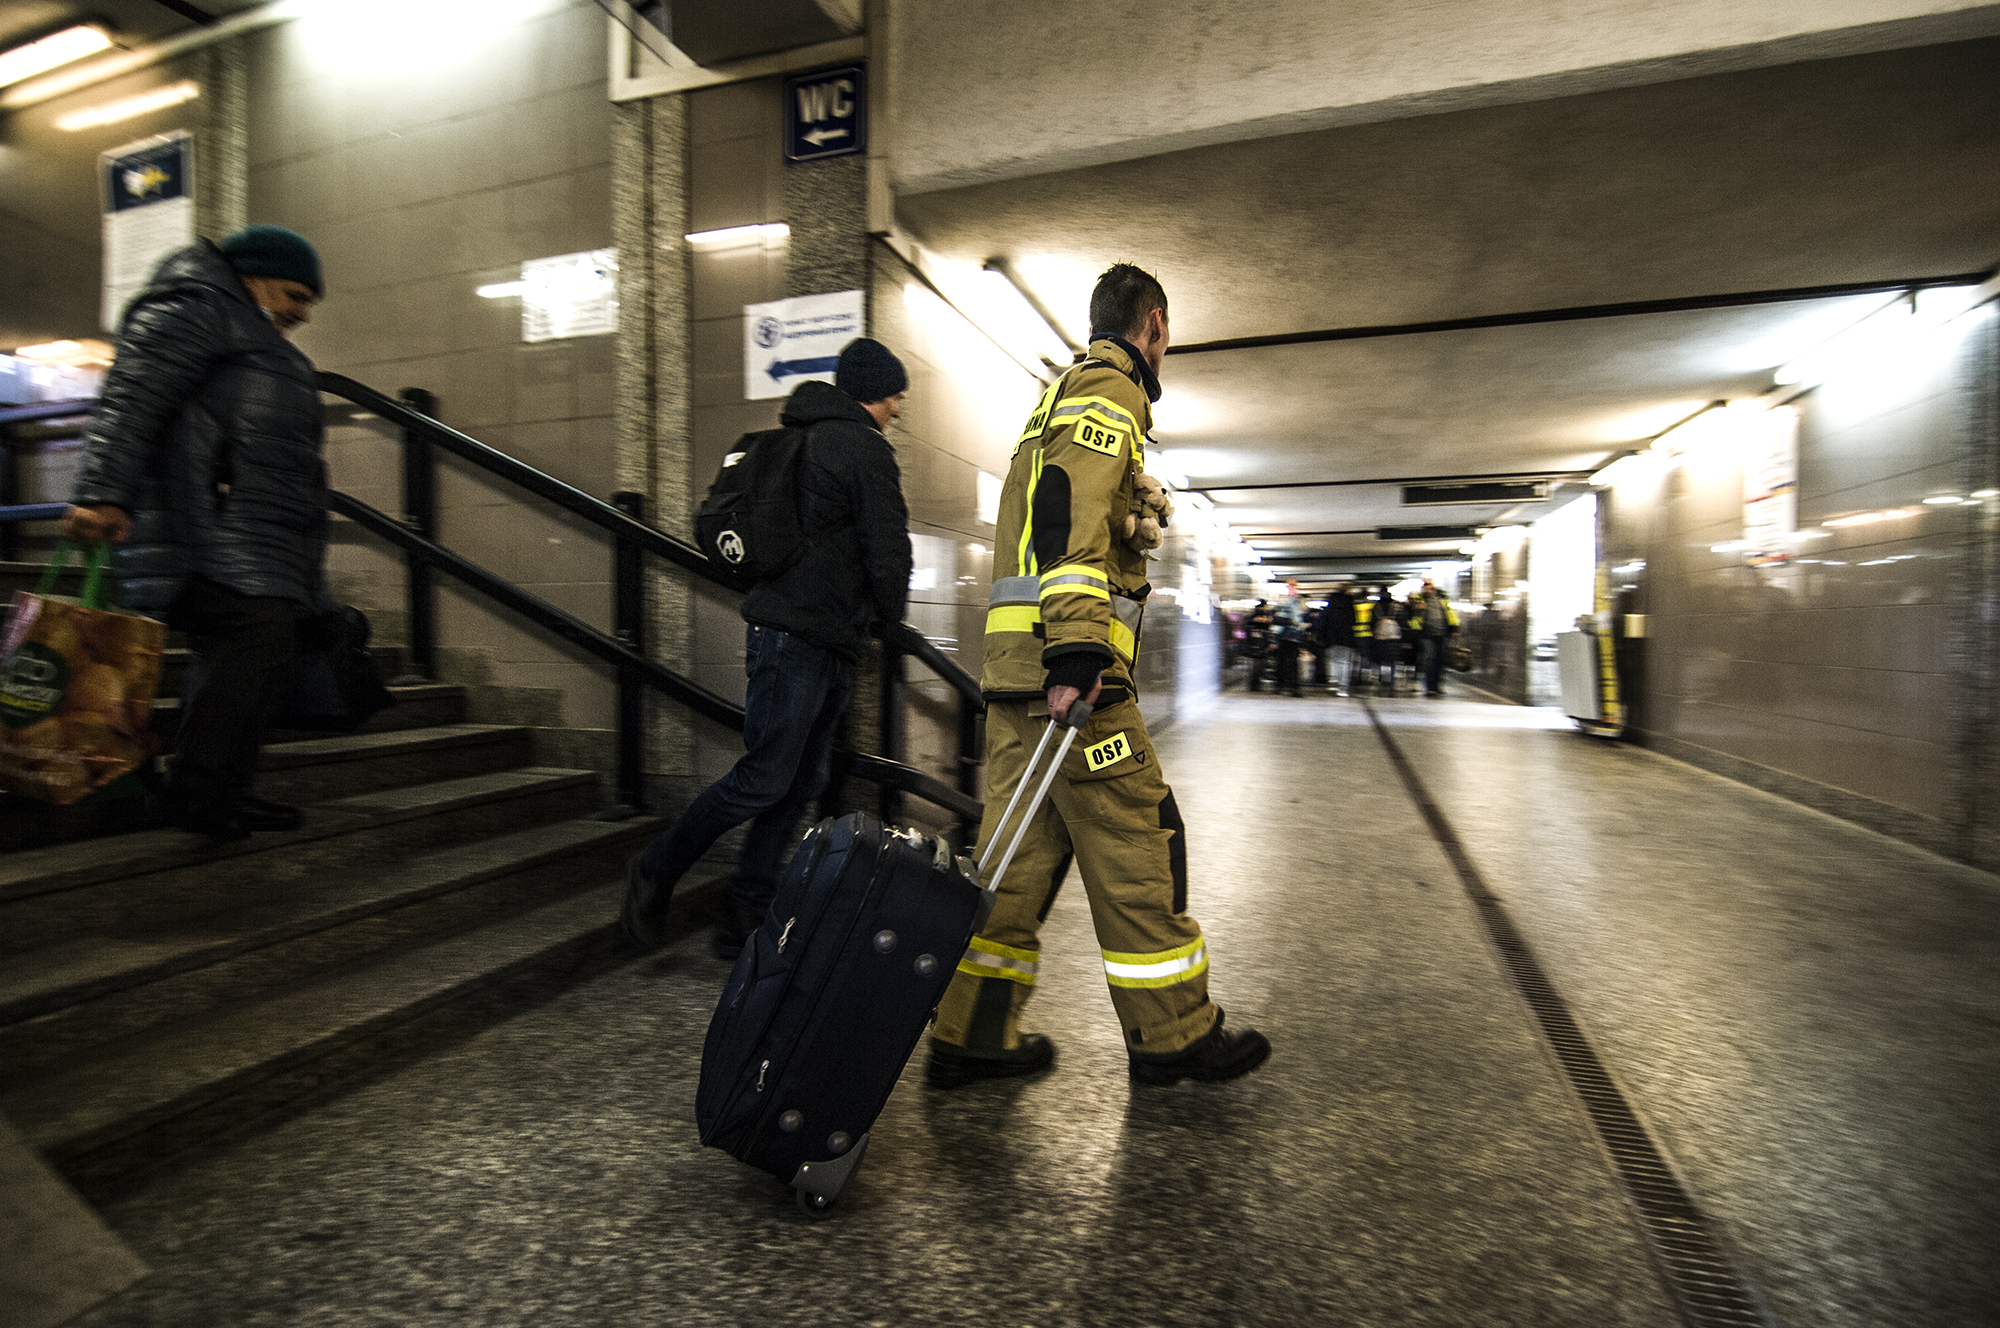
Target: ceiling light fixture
730	236
501	290
128	108
59	48
1018	306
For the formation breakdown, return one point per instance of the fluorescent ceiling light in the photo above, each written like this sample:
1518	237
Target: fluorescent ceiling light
1012	317
1944	499
1890	332
501	290
735	235
127	108
58	49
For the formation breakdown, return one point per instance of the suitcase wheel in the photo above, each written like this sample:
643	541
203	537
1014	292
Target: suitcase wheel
818	1184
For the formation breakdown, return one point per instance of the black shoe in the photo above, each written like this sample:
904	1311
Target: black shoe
216	822
955	1067
642	919
1220	1054
257	814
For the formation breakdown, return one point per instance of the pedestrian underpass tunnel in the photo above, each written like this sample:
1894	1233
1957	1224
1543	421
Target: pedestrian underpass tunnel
1642	976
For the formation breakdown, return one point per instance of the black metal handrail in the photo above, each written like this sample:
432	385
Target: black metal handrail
622	519
34	512
606	516
616	653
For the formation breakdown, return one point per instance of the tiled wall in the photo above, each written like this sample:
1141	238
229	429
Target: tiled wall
425	162
1834	670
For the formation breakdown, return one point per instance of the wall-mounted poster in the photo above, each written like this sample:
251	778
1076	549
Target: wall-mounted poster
1771	489
148	190
787	342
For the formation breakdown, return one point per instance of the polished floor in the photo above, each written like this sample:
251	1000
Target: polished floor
1803	1012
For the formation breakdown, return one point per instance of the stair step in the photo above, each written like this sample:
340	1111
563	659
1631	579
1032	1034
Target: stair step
312	770
418	705
89	967
155	877
124	1108
26	823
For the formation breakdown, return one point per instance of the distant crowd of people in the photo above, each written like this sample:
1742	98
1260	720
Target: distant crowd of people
1365	635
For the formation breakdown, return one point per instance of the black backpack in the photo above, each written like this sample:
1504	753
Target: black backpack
749	524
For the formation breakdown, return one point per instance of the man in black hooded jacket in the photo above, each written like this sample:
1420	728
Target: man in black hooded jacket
807	627
202	460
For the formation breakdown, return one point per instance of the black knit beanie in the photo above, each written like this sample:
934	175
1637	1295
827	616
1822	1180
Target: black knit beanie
273	251
869	371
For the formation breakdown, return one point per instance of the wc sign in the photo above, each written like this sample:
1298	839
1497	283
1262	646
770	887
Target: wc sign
826	114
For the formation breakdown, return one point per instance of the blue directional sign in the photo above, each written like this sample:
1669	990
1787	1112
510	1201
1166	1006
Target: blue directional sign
826	113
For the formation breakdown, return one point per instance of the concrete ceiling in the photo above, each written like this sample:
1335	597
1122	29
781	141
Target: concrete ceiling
1865	168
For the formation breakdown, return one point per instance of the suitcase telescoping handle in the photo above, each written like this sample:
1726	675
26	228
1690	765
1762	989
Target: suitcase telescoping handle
1071	724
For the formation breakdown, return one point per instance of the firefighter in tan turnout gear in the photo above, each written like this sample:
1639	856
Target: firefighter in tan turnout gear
1077	517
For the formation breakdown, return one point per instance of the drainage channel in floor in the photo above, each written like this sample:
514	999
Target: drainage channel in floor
1707	1287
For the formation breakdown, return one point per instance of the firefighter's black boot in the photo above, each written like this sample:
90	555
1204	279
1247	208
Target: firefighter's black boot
1220	1054
955	1067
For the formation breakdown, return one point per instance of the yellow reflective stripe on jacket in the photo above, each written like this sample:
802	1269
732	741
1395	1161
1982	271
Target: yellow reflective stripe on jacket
1163	969
1076	581
1015	590
1014	604
1040	419
984	959
1097	423
1123	629
1024	557
1014	618
1075	408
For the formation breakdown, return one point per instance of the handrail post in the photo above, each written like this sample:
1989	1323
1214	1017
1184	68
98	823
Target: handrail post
894	724
629	626
420	515
10	493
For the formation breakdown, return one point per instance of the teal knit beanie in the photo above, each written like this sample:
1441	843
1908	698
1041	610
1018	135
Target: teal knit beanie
273	251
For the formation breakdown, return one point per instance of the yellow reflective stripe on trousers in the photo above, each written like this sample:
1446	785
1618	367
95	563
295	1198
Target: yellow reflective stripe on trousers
1163	969
985	959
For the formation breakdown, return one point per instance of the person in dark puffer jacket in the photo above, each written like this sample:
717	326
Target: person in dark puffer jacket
807	627
202	462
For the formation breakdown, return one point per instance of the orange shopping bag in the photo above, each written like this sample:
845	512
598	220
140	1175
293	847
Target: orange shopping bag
77	681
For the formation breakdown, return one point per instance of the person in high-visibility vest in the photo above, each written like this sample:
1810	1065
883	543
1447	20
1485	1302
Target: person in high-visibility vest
1069	579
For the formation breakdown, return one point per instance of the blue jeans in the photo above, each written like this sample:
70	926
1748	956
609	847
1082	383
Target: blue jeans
792	711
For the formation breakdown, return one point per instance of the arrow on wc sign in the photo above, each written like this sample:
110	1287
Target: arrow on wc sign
826	113
796	368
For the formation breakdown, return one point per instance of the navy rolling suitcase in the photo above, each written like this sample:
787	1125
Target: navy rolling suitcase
832	992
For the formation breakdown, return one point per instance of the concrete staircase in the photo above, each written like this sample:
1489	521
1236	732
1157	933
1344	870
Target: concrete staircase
159	990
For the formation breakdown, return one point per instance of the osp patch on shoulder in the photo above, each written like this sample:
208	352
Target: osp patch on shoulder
1098	423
